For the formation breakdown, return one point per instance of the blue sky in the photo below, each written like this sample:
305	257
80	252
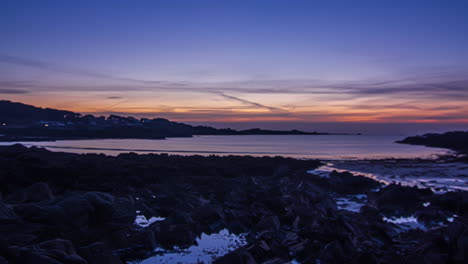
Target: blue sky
305	61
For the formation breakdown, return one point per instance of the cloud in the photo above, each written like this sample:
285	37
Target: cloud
421	90
251	103
379	106
13	91
444	108
438	85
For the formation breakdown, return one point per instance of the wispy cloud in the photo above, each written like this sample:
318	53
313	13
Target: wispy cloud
251	103
13	91
418	93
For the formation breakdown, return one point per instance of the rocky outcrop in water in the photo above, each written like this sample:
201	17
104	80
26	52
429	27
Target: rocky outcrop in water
456	140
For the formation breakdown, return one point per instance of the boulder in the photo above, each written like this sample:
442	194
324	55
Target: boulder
397	199
270	222
99	253
239	256
7	215
102	204
175	235
62	250
333	252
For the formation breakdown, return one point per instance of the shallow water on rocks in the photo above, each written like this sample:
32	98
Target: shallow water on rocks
207	249
352	203
439	176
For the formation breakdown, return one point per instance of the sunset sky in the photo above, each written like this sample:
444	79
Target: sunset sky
240	61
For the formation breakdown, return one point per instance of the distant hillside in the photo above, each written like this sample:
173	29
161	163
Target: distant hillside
25	122
18	112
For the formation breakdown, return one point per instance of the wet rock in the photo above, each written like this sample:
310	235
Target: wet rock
276	261
208	214
3	260
38	258
271	222
333	252
35	193
261	251
240	256
7	215
396	199
457	202
144	239
99	253
62	250
102	204
175	235
346	183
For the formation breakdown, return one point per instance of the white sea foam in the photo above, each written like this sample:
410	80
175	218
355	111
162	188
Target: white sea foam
141	220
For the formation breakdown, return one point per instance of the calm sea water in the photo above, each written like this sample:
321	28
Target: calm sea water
297	146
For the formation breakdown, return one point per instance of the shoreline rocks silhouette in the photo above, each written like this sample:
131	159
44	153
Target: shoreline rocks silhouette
71	208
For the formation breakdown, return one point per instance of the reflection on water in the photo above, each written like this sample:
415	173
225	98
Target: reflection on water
207	248
298	146
439	176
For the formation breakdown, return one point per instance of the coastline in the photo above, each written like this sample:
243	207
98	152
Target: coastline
285	210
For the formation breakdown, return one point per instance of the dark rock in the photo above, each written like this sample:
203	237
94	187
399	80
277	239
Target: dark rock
261	251
333	252
270	222
456	202
239	256
99	253
7	215
102	204
39	192
396	199
346	183
33	257
175	235
144	238
3	260
62	250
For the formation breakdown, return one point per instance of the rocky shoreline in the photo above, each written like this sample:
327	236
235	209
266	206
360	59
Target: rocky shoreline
70	208
454	140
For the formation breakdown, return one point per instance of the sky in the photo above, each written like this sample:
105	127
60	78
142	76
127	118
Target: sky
252	62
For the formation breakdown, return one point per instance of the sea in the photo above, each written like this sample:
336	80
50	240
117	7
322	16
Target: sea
295	146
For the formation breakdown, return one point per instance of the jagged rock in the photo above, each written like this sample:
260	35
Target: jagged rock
7	215
62	250
175	235
270	222
240	256
333	253
144	238
261	251
99	253
102	204
396	199
3	260
35	193
346	183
